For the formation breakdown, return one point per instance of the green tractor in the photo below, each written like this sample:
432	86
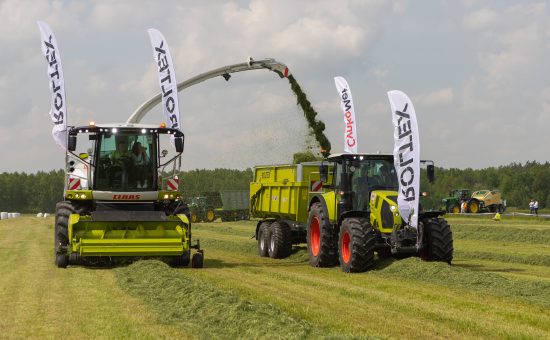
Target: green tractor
452	203
354	215
201	210
121	197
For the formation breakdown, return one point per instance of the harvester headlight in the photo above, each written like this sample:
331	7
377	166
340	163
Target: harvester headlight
83	196
69	196
166	196
393	208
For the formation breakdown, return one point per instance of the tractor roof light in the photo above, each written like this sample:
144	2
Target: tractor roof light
92	123
162	125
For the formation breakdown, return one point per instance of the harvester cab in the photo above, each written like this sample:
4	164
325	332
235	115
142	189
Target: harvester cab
121	196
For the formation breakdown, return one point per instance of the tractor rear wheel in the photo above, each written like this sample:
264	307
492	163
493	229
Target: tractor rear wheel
63	210
210	215
280	242
321	239
356	245
263	239
473	206
438	241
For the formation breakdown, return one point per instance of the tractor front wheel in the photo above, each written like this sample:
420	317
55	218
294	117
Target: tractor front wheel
455	209
438	241
356	245
321	243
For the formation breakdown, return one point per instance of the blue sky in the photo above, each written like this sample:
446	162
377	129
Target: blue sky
476	71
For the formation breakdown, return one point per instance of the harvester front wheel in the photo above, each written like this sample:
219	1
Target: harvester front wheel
356	245
61	233
263	239
321	243
280	243
198	260
438	240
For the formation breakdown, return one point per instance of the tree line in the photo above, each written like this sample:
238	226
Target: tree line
39	192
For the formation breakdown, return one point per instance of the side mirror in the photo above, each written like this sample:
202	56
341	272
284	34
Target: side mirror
71	143
323	172
178	143
430	170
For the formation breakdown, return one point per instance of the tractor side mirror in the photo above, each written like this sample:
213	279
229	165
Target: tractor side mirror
430	170
71	143
323	173
178	143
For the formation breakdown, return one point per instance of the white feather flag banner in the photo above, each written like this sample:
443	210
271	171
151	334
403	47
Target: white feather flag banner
406	153
58	110
167	79
346	103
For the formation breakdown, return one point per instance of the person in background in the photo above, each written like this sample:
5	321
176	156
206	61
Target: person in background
536	207
532	206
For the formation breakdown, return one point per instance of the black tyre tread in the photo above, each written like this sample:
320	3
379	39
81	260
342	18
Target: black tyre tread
63	210
328	254
439	238
263	236
362	244
182	260
197	261
280	234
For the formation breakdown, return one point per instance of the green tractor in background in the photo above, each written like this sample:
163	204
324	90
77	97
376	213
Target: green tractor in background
201	209
452	203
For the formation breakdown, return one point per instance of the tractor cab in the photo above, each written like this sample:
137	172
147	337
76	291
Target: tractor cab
366	185
357	176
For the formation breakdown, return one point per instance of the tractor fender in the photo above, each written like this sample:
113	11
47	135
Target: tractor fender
430	214
320	199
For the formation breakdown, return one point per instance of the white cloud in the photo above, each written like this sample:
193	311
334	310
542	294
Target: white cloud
480	19
439	97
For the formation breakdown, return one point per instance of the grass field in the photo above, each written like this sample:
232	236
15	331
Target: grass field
497	287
